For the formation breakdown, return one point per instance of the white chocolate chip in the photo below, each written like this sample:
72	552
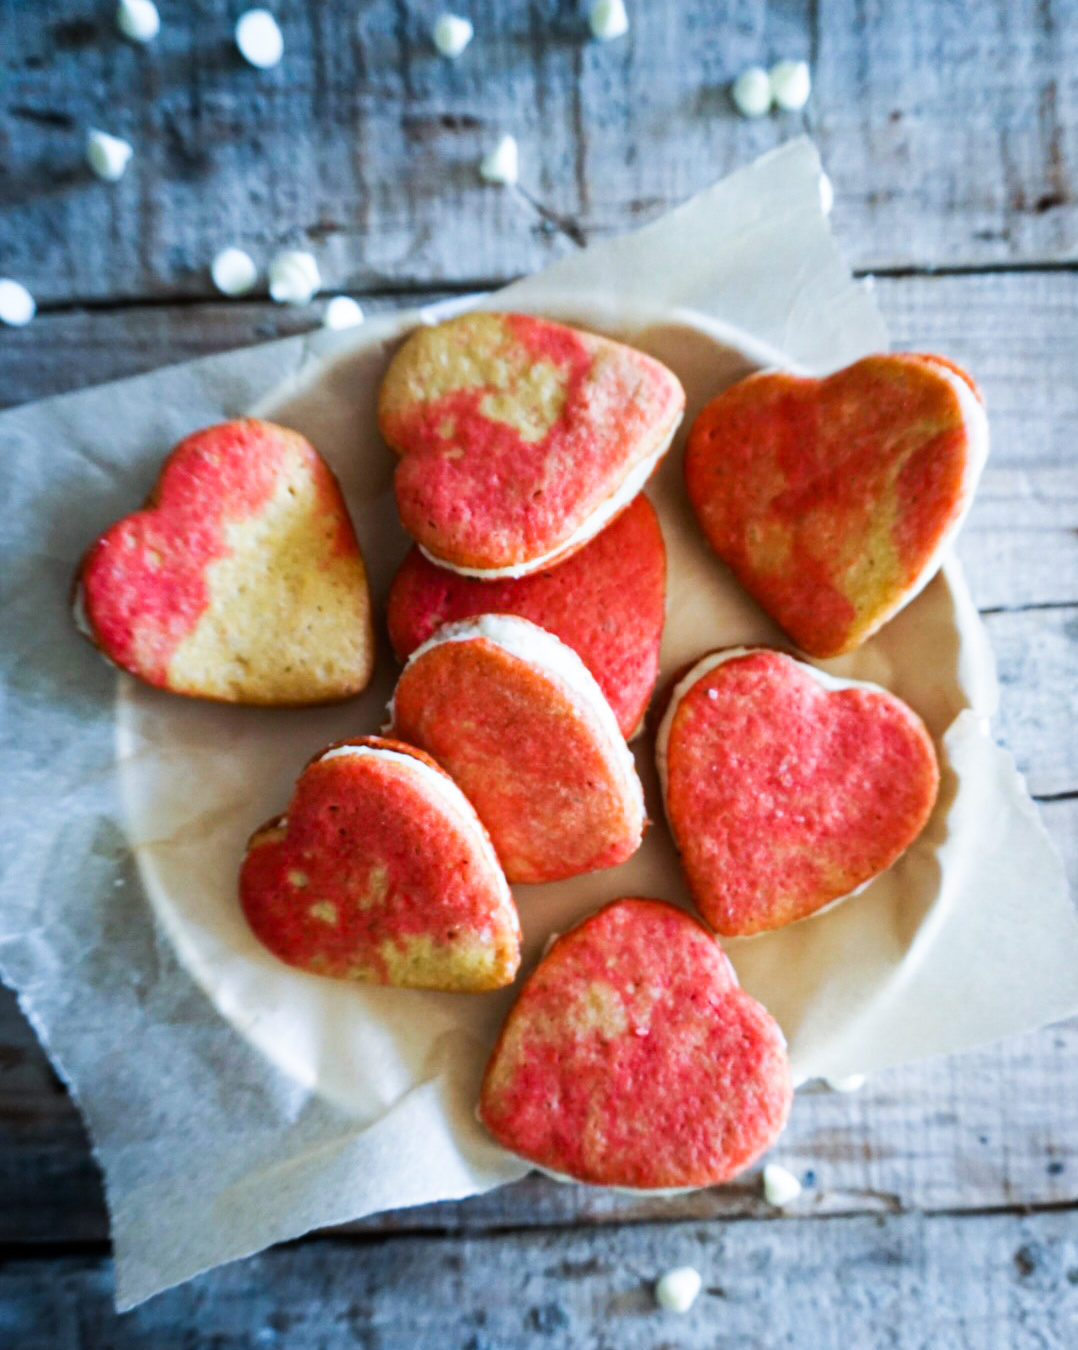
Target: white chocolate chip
17	306
342	312
234	272
827	194
293	277
107	155
781	1187
502	164
751	92
451	34
791	84
676	1291
853	1082
259	38
138	20
608	19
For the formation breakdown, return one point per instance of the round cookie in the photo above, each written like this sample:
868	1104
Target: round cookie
785	787
607	602
632	1058
833	501
381	871
241	580
514	715
520	438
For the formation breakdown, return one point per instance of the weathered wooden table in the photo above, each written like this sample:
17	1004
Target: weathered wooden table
941	1204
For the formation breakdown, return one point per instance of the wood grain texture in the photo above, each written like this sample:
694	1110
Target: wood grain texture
1016	332
988	1282
950	130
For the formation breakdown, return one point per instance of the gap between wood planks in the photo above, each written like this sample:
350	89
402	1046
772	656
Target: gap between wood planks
410	290
93	1248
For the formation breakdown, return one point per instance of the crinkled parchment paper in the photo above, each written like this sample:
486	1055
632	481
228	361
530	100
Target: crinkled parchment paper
235	1102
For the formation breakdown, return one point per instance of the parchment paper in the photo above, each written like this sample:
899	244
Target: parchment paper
234	1102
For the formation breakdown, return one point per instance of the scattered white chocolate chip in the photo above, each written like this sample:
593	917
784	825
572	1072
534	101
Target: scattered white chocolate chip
502	164
107	155
234	272
451	34
342	312
751	92
853	1082
827	194
17	306
138	20
608	19
791	84
293	277
781	1187
259	38
676	1291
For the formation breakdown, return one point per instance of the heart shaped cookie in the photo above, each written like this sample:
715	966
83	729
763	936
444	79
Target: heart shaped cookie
241	580
520	438
382	872
787	788
607	602
833	500
632	1058
514	715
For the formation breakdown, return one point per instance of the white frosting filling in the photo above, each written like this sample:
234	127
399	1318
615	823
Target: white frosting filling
78	611
528	642
454	801
590	526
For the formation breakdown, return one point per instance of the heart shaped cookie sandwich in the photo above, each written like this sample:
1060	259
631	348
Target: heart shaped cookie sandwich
833	500
241	580
632	1058
520	438
785	787
607	602
516	718
381	871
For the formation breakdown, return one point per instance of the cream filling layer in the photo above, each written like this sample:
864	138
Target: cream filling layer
528	642
449	795
78	611
618	1190
605	512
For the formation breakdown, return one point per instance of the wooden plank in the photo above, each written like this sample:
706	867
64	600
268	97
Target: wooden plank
950	133
1037	658
991	1128
1016	332
993	1282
